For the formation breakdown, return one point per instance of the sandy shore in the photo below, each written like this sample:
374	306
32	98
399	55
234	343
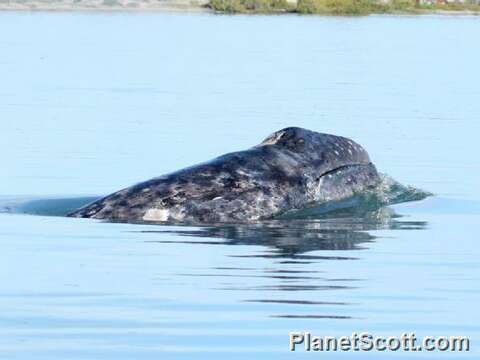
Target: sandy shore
106	5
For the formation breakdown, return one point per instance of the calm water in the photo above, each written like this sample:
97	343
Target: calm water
90	103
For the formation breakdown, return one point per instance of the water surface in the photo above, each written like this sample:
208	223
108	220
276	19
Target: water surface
90	103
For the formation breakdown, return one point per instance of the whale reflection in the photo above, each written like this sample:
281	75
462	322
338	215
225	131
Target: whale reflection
342	227
283	266
292	239
294	281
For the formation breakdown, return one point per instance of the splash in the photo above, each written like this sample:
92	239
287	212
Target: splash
372	204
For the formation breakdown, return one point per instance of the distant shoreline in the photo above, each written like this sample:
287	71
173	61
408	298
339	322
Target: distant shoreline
182	6
145	7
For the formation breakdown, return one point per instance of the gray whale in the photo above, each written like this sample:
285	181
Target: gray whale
291	169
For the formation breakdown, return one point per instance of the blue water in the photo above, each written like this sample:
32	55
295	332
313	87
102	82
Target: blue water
90	103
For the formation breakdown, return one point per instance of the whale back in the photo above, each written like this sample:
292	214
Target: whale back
284	171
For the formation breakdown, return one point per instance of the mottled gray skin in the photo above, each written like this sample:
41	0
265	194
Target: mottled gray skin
291	169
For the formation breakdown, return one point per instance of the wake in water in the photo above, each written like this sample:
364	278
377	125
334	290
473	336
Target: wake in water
368	205
44	206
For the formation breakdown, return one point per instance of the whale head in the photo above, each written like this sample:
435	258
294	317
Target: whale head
335	150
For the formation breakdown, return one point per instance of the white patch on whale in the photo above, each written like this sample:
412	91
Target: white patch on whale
156	215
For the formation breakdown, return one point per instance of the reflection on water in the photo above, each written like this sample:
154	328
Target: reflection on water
294	254
170	289
287	243
291	239
339	228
